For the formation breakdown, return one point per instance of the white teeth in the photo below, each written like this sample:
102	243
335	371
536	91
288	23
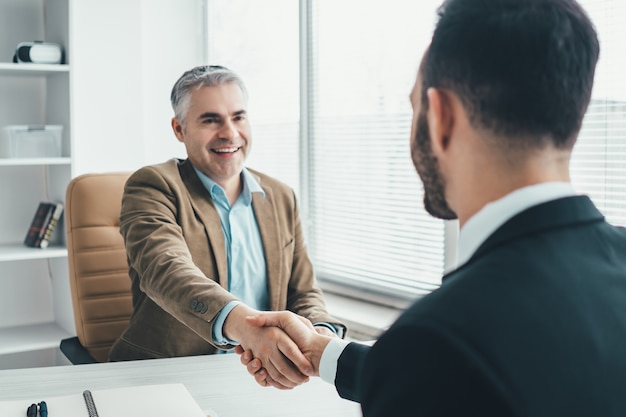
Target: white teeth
226	150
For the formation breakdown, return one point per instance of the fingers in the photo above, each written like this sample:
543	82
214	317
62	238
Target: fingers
298	328
281	370
271	348
291	351
263	379
306	322
263	320
325	331
254	368
270	382
245	357
283	373
252	364
282	319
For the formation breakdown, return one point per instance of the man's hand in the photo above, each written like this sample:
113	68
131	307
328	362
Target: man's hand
310	342
284	365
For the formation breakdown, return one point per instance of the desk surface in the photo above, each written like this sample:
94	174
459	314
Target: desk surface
217	382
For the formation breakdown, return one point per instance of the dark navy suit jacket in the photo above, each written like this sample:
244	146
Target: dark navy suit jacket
534	324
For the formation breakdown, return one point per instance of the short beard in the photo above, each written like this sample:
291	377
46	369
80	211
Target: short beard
428	170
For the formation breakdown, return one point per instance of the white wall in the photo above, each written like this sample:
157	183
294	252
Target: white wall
173	42
125	57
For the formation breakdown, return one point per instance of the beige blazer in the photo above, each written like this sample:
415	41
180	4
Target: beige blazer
177	261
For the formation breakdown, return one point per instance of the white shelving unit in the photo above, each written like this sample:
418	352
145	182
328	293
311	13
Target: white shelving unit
111	96
35	302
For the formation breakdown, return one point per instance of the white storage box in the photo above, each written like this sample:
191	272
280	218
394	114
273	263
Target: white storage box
22	141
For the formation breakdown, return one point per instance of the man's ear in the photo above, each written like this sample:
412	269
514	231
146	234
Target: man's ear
440	119
177	127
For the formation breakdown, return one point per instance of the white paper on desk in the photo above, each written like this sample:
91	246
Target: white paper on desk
164	400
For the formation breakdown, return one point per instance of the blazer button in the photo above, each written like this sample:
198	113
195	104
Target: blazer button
194	304
204	310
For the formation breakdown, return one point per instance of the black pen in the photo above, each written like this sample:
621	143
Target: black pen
43	409
32	411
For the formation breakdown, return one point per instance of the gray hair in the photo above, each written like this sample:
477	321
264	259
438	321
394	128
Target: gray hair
197	77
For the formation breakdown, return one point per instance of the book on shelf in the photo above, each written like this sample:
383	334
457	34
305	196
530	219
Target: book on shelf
43	224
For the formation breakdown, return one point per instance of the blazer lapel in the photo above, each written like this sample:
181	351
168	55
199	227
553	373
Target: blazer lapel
266	218
207	213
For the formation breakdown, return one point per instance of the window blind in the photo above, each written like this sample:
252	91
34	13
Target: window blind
368	228
598	165
259	41
363	212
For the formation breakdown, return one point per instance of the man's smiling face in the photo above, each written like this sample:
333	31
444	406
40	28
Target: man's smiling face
216	132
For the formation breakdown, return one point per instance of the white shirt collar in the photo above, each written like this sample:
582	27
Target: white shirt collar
480	226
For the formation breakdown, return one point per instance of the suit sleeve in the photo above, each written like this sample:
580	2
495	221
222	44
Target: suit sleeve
350	365
420	371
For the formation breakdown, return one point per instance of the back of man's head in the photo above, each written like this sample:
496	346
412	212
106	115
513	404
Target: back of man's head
522	68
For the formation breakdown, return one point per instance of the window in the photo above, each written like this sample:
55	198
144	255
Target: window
368	228
329	87
259	41
599	158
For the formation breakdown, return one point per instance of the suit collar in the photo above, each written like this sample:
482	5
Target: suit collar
493	215
555	214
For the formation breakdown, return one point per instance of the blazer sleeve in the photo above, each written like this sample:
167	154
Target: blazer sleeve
159	255
423	371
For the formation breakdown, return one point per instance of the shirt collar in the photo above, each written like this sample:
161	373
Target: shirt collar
480	226
250	185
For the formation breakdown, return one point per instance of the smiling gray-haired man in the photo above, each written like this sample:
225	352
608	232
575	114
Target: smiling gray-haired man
209	241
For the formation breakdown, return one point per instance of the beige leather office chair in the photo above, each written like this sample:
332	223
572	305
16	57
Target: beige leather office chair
98	269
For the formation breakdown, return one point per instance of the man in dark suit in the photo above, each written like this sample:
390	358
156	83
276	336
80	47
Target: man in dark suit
532	322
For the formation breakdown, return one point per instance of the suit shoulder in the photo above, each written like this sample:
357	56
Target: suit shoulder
168	171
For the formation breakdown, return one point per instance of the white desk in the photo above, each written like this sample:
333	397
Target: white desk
217	382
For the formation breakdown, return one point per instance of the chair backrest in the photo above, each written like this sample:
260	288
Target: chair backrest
98	269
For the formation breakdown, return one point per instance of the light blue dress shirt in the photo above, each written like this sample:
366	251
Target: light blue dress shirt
247	272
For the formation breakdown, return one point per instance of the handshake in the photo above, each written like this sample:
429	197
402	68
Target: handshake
279	348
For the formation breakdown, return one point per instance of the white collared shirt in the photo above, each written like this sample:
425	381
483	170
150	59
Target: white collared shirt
477	229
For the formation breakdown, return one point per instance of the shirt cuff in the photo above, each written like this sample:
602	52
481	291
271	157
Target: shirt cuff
218	335
329	359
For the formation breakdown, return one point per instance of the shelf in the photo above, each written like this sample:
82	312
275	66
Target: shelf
34	161
31	338
19	252
9	68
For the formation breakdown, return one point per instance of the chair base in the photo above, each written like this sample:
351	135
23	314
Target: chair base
75	352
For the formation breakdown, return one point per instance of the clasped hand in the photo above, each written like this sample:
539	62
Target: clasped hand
300	343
